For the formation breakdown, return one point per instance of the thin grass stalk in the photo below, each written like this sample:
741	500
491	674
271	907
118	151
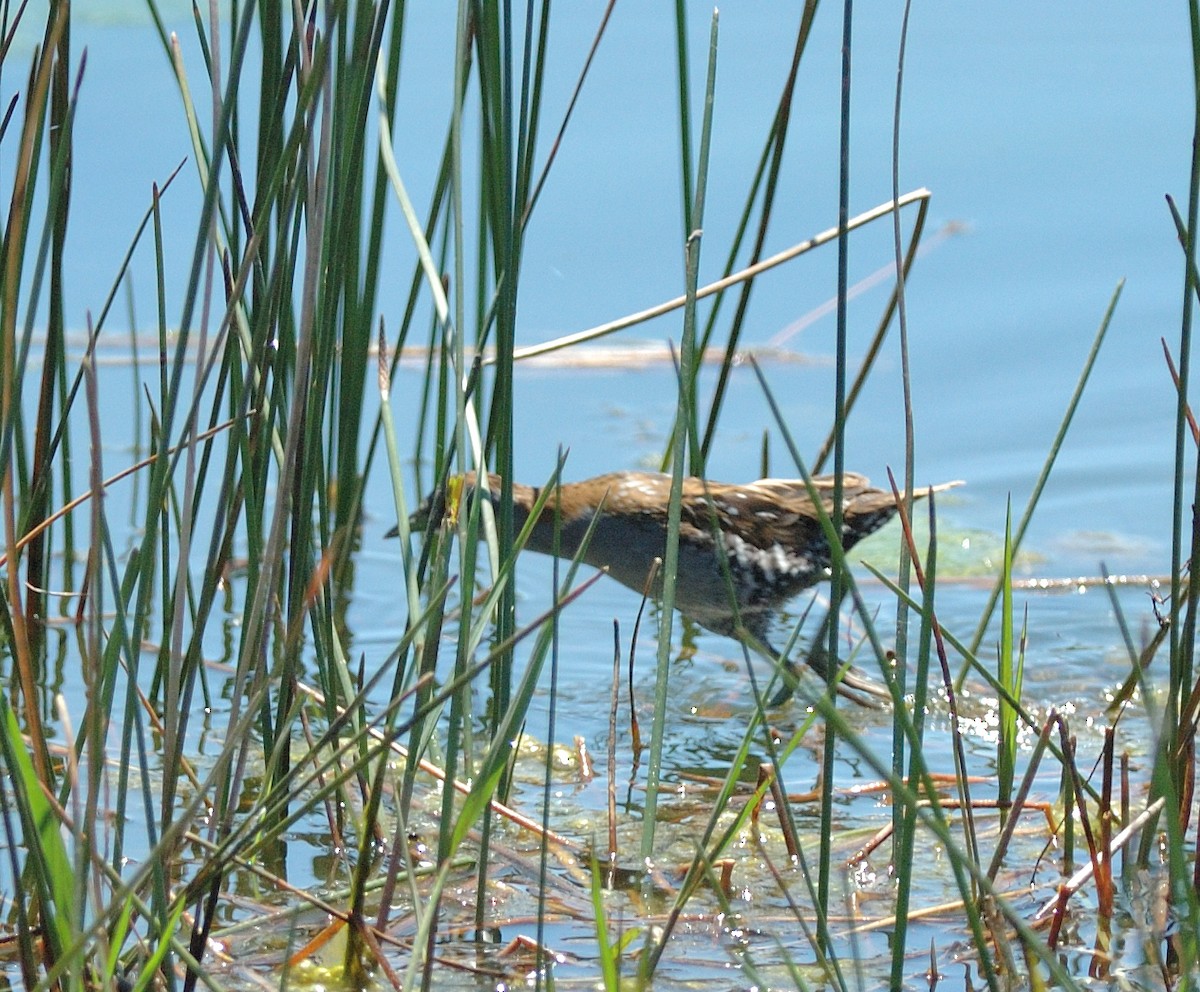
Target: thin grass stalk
685	416
15	239
963	872
412	591
544	962
354	961
536	186
1047	466
331	204
425	669
230	501
1018	803
210	175
1120	619
1179	728
608	951
138	579
174	676
347	291
1183	636
900	820
34	482
1096	852
1067	800
455	826
909	726
711	843
1009	675
457	754
62	113
315	464
837	575
473	628
169	390
921	197
507	146
443	340
927	580
795	973
1104	881
509	140
1170	837
1169	775
1025	716
825	237
277	64
173	835
388	79
251	669
684	94
464	424
27	955
17	234
966	870
770	166
328	476
465	427
91	669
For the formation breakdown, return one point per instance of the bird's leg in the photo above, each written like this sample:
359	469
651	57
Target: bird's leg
857	688
817	660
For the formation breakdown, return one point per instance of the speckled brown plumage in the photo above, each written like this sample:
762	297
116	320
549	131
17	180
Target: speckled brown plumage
770	531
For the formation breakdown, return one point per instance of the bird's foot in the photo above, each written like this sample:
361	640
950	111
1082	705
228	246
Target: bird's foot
851	685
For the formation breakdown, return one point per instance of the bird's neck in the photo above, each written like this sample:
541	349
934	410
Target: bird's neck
564	516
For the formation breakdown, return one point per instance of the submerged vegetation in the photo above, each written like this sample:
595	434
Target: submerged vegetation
134	858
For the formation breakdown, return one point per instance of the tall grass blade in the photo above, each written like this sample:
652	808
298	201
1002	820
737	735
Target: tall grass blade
1008	675
48	868
837	578
685	417
767	176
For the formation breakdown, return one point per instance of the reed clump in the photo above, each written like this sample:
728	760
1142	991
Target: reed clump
151	807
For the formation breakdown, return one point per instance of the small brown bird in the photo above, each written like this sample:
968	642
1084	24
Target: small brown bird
768	530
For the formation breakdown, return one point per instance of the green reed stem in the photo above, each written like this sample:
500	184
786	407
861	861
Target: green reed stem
904	572
837	576
1009	674
685	415
909	726
767	177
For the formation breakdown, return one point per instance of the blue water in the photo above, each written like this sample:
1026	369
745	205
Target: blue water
1048	132
1051	134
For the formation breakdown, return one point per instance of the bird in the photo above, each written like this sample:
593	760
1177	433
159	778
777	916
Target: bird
768	531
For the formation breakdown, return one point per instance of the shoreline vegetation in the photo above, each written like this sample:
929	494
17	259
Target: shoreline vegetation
427	775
